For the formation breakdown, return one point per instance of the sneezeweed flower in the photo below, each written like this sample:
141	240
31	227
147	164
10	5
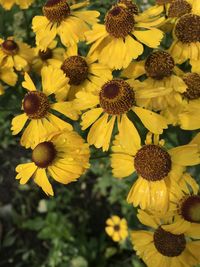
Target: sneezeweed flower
188	118
158	247
109	105
187	39
23	4
15	54
122	36
185	208
162	87
117	228
178	8
67	21
83	72
155	166
52	56
38	106
63	156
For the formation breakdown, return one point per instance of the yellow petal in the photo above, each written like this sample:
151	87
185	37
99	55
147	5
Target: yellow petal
18	123
25	171
40	178
28	83
154	122
146	37
89	117
186	155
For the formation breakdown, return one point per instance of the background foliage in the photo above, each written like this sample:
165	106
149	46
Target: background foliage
67	230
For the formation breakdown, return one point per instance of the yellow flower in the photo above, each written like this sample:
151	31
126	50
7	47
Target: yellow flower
15	54
187	38
184	207
52	56
117	228
38	106
112	103
178	8
122	37
7	75
23	4
63	19
64	156
83	72
155	166
188	118
162	87
158	247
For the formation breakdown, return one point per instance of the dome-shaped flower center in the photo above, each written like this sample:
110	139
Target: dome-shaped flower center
187	29
179	8
45	55
119	22
190	208
10	47
116	228
162	2
159	65
44	154
152	162
192	80
116	97
131	7
56	10
76	69
168	244
36	105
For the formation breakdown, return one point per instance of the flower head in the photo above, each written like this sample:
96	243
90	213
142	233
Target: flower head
67	21
63	156
162	87
16	54
123	34
160	246
111	103
38	106
117	228
156	168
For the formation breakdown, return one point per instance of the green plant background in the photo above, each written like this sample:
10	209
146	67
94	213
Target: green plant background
67	230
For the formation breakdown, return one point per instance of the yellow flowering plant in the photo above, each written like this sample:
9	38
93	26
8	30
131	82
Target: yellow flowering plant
100	102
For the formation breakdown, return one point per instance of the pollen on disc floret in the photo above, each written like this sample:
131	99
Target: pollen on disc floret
152	162
159	65
116	97
56	10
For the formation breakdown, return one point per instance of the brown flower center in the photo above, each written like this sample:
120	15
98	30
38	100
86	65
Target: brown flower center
10	47
192	80
76	69
159	65
168	244
45	55
44	154
162	2
116	228
190	208
152	162
179	8
132	7
36	105
116	97
187	30
119	22
56	10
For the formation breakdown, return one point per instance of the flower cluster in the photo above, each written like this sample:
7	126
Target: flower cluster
137	73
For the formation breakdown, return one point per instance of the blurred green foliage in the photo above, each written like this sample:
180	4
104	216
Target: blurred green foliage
67	230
